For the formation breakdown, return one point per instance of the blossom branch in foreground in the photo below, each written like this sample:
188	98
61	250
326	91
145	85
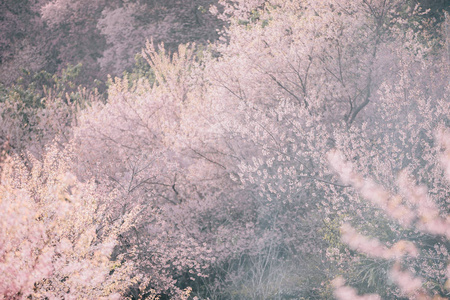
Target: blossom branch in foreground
343	292
418	210
373	247
414	210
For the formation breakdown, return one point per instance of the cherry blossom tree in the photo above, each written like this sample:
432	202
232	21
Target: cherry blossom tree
145	143
54	240
308	77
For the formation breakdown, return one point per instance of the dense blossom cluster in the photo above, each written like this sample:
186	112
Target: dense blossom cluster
50	240
305	155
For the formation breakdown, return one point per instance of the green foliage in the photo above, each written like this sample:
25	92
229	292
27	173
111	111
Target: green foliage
141	69
21	103
255	20
330	231
41	106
